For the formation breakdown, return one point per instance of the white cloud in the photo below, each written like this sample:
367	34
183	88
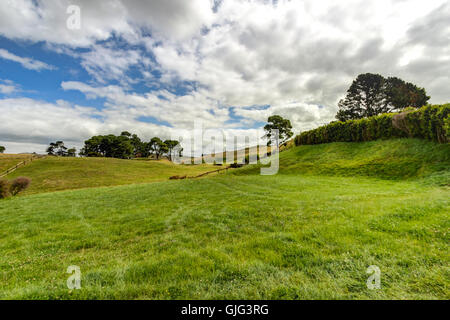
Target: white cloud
47	122
25	62
299	51
46	21
5	89
8	87
23	147
28	120
179	111
105	63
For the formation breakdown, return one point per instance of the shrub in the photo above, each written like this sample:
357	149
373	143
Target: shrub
19	184
4	189
429	122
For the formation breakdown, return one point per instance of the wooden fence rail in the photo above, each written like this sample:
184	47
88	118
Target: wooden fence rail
209	172
20	164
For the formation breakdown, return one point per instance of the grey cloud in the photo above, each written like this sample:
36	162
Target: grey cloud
432	30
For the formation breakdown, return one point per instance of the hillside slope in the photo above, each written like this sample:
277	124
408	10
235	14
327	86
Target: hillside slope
10	160
55	174
386	159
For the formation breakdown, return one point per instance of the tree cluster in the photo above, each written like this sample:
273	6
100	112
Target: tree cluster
284	128
372	94
127	146
59	149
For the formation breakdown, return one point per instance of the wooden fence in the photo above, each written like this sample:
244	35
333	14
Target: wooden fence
209	172
20	164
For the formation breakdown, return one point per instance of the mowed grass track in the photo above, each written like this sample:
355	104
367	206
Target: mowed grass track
56	173
229	237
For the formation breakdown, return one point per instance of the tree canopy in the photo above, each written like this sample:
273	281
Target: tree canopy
59	149
172	148
158	147
2	149
109	146
127	146
283	126
372	94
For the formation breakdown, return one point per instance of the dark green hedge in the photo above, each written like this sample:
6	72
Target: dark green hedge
429	122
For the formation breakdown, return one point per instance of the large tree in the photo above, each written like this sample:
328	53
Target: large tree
403	94
109	146
372	94
366	97
158	147
57	149
283	126
72	152
172	147
2	149
138	145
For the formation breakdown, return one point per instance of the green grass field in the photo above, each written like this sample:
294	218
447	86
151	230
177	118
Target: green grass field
309	232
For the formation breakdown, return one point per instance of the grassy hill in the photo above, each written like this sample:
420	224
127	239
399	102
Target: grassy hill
296	235
387	159
55	174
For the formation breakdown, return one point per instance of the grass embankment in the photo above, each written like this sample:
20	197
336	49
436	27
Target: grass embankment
10	160
395	159
55	174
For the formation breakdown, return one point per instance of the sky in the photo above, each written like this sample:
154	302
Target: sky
155	67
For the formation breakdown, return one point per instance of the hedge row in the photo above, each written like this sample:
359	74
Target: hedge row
430	122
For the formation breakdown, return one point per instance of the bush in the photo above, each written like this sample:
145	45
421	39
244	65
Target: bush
4	189
19	184
429	122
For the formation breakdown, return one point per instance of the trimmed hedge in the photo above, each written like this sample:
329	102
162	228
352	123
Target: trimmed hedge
431	122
